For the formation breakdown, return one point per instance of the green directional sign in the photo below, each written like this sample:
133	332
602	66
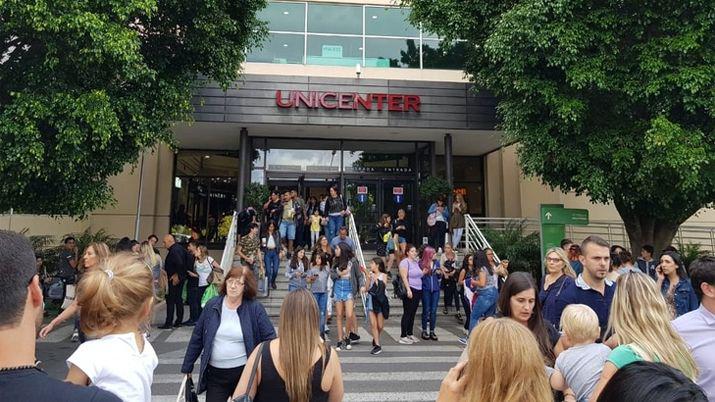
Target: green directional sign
554	218
563	216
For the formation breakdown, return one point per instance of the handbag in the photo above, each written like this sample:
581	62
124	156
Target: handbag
187	391
247	396
69	296
399	287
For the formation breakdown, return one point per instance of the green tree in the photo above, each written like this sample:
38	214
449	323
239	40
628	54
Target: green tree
614	100
86	85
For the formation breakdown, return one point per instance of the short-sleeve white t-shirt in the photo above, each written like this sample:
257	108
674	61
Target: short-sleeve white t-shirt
115	364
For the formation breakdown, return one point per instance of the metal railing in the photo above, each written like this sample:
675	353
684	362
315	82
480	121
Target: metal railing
353	234
474	238
613	231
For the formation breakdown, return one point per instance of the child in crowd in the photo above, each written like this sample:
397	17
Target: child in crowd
579	367
318	279
378	303
315	220
297	270
115	301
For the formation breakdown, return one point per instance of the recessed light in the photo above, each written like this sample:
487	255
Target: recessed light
285	45
374	17
285	13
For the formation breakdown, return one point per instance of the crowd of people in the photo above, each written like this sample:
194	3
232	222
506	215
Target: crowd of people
596	322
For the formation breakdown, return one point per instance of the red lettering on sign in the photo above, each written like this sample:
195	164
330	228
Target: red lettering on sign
393	103
323	99
366	102
344	101
279	100
380	99
306	100
412	102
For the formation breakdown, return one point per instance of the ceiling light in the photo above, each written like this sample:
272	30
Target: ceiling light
285	45
207	156
285	13
374	17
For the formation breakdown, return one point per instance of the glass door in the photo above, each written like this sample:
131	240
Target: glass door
363	198
396	195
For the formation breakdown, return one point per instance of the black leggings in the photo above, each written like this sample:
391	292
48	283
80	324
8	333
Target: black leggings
451	294
220	383
409	308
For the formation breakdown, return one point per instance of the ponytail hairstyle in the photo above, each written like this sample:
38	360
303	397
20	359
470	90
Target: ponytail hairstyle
122	289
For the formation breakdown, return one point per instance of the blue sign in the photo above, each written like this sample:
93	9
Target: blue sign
362	198
399	198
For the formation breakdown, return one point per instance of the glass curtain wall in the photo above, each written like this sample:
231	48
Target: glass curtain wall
348	35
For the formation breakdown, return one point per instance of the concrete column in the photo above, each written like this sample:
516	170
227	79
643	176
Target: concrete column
448	165
433	158
244	166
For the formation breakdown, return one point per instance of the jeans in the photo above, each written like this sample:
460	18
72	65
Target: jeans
456	236
437	232
334	223
272	261
430	299
485	306
322	300
409	308
287	230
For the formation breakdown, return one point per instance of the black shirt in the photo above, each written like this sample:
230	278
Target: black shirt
34	385
401	232
64	269
177	261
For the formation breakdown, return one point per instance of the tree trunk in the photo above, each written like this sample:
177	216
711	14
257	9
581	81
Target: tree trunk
643	228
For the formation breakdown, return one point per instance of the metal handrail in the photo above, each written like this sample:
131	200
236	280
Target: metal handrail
474	238
353	234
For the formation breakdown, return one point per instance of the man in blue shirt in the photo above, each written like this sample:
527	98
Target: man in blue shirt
591	287
342	237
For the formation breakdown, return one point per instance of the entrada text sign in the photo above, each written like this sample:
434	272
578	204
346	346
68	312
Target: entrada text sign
348	100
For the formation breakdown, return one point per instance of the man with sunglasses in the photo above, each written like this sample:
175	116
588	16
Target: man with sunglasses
20	317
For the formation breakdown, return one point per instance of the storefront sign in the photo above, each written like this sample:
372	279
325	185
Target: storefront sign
348	101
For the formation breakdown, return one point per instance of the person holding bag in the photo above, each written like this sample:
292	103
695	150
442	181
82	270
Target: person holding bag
227	331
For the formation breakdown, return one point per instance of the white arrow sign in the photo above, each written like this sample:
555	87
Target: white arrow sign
548	216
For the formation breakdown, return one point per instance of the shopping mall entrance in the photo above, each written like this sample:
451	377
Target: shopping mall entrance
375	177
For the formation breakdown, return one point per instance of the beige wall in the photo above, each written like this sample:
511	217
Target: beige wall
510	194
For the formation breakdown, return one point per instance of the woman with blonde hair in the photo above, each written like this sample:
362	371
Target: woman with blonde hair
640	322
298	366
94	255
504	364
152	261
559	275
116	300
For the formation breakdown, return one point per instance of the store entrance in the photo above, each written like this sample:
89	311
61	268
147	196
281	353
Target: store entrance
370	198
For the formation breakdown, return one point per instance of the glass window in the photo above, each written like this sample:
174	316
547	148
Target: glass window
290	155
207	163
336	19
378	157
280	49
334	50
384	21
440	55
392	53
284	16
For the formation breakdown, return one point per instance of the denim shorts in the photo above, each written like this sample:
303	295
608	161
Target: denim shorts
287	230
342	290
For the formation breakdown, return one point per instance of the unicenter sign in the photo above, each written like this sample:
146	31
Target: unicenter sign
348	101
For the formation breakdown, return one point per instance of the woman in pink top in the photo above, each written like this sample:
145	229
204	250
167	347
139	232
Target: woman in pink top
411	276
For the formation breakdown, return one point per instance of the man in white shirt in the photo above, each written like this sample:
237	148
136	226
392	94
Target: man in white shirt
698	326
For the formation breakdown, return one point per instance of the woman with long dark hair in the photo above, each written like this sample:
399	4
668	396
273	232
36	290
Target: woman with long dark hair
674	284
335	210
271	244
483	284
518	301
346	278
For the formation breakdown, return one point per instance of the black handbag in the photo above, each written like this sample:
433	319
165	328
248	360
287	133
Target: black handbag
190	391
399	287
247	396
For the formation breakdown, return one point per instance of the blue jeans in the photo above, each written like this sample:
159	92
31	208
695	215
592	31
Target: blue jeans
334	223
430	299
272	262
485	306
322	299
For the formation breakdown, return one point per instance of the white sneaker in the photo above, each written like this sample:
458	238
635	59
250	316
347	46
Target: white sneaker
405	340
413	339
75	336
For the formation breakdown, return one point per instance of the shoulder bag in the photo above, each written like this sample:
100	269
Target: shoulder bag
247	396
